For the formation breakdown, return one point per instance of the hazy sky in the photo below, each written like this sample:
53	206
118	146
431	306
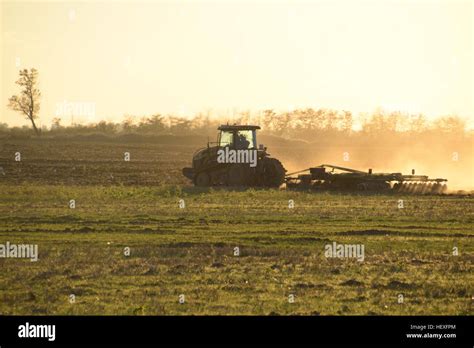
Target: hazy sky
140	58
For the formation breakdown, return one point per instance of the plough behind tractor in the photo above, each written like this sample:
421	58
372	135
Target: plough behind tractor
331	177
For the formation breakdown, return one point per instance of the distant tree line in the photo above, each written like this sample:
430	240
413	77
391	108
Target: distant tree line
304	124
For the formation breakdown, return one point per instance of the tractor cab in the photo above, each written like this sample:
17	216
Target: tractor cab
238	137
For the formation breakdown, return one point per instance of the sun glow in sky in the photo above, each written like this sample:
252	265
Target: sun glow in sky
183	57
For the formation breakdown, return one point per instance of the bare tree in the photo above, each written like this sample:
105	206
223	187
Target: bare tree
28	101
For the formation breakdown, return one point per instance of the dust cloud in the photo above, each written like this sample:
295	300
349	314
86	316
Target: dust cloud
437	159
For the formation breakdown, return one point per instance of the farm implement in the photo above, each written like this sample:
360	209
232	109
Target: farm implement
331	177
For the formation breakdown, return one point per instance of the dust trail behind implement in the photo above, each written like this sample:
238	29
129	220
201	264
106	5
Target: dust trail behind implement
437	160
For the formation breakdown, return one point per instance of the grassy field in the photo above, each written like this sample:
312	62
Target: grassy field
190	251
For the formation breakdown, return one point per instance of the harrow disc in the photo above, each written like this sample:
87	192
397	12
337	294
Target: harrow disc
420	187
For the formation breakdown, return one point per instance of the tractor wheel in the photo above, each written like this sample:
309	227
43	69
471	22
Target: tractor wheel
273	172
202	179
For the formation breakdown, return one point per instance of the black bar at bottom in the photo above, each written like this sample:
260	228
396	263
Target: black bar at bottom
347	330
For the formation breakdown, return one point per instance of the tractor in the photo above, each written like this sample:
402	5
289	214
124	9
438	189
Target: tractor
235	160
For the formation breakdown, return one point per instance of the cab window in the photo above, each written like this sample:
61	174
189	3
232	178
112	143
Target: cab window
245	139
226	139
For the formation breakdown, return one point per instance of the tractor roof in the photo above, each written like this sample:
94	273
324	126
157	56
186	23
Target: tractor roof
228	127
